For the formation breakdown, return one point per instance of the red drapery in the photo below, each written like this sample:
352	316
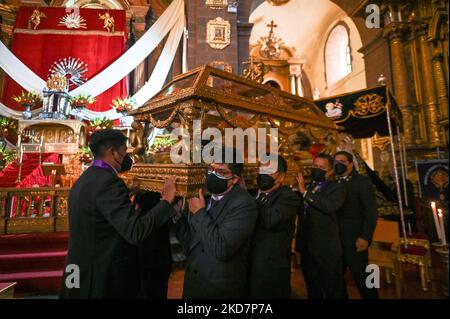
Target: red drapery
95	46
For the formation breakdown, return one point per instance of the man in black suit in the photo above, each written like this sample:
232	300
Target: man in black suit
357	220
270	253
216	235
104	228
318	233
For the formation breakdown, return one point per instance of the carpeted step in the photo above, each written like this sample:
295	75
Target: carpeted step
45	281
37	242
32	261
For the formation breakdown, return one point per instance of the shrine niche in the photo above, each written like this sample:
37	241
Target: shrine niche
63	137
223	100
273	63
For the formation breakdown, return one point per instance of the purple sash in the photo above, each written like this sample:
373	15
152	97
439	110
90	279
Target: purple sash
101	164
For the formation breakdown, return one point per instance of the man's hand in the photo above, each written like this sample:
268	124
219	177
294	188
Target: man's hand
197	203
361	245
168	192
301	183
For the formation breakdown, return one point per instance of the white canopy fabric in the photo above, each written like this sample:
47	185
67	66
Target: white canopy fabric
173	20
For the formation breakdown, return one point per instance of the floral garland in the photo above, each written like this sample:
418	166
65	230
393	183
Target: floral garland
123	105
100	124
27	98
7	156
81	101
86	156
162	144
6	124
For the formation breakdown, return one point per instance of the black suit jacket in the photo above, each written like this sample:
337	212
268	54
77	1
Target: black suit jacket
217	245
270	257
104	230
318	229
358	216
155	254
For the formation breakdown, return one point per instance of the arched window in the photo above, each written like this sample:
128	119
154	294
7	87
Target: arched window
338	60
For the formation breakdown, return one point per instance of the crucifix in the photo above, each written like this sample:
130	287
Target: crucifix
271	25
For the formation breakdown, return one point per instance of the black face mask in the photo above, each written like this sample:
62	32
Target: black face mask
265	182
318	175
216	185
340	168
126	163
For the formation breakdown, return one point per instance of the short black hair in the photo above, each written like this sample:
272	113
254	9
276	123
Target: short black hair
101	140
282	164
348	155
235	167
327	157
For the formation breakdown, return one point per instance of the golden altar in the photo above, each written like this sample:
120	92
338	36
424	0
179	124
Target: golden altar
223	100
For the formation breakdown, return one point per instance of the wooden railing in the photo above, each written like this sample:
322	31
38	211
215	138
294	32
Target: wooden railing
24	210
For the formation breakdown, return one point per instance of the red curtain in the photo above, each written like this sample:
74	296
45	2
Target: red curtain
95	46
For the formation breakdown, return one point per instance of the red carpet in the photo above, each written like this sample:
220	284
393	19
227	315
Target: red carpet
35	261
31	171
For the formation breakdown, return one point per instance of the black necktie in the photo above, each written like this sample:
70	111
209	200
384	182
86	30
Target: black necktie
262	199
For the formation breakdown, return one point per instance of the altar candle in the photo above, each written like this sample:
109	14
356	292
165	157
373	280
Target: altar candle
436	221
442	224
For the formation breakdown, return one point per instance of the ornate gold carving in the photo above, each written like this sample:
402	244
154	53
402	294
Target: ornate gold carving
277	2
57	82
165	123
237	121
368	104
25	225
73	21
71	32
108	21
222	65
217	4
218	33
255	72
381	142
35	18
270	45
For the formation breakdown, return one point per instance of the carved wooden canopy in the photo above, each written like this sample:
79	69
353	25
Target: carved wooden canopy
221	99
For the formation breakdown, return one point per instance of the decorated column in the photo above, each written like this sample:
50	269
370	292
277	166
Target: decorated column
396	33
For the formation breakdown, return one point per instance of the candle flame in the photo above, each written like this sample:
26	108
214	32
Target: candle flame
440	212
433	204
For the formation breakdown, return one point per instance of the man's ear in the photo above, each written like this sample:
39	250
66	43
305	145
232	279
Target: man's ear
235	179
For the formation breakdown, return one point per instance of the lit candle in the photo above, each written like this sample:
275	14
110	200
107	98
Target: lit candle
441	222
436	222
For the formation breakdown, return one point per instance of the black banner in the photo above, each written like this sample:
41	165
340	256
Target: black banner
361	113
433	179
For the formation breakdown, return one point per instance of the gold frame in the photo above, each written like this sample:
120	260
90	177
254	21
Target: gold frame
217	4
278	3
218	33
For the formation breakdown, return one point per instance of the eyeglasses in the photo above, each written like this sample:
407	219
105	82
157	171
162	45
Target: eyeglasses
220	173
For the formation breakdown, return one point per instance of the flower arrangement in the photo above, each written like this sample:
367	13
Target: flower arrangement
100	124
6	124
86	156
27	98
80	101
7	156
162	144
123	105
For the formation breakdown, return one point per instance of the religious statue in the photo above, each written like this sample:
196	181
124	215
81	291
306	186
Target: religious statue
108	21
255	71
138	142
35	18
